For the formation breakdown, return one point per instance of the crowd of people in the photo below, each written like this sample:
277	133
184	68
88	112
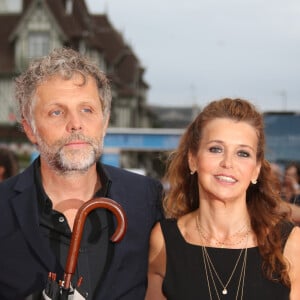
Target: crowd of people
225	228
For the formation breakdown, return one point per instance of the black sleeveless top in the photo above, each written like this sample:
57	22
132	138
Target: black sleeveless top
186	279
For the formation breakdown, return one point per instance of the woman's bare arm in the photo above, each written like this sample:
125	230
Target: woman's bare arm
292	253
156	265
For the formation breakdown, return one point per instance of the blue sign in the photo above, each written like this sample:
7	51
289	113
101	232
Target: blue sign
112	159
159	142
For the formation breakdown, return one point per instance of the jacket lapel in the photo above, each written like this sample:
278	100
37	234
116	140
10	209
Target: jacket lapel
26	210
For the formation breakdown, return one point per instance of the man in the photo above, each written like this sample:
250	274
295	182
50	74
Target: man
64	103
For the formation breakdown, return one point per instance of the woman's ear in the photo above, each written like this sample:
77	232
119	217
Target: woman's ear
257	171
191	162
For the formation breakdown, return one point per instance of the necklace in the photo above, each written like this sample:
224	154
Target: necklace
223	244
211	272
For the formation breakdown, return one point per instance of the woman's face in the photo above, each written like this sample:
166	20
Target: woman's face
226	160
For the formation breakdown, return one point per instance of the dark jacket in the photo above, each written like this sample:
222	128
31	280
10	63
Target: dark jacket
25	260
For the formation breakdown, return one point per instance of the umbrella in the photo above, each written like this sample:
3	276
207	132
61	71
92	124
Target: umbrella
62	289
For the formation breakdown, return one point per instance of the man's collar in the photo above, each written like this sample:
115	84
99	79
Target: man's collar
45	204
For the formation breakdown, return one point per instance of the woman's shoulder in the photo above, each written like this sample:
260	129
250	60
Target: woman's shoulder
285	227
156	234
175	223
168	222
294	236
292	243
291	252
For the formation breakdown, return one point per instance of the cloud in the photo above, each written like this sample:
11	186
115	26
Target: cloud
220	48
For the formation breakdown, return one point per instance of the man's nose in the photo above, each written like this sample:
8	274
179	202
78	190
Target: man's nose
74	123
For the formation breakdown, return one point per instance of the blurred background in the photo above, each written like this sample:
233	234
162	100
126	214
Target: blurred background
165	60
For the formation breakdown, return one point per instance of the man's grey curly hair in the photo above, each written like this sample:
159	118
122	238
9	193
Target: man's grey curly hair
64	62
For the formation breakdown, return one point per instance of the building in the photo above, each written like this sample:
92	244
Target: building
282	136
39	26
173	116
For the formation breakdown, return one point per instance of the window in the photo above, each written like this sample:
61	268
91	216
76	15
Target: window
39	44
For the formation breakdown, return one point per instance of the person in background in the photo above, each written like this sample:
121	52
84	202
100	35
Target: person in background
291	183
64	102
291	190
291	208
224	236
277	172
9	164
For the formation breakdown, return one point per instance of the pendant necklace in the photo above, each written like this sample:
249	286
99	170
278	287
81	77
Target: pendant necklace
211	272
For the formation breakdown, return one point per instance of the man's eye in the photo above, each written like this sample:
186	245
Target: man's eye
215	149
56	113
87	110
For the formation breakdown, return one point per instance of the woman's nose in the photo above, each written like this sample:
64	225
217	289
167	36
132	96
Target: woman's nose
226	161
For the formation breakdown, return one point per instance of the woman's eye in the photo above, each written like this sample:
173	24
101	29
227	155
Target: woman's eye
215	149
243	154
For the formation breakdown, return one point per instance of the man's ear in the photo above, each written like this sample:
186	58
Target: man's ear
105	124
29	132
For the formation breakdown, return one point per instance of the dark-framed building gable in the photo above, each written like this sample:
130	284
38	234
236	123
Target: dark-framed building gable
37	33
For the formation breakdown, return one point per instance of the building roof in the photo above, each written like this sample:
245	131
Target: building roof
174	116
96	30
7	24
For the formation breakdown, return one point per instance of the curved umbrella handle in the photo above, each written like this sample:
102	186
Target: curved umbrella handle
79	222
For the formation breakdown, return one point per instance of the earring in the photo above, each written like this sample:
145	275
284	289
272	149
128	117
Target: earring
254	181
192	172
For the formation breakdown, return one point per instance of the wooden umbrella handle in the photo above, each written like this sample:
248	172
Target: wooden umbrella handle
79	222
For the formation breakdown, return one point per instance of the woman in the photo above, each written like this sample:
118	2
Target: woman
224	236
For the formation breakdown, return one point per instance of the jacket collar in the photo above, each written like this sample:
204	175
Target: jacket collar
25	205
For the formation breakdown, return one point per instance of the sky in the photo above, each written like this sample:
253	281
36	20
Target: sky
195	51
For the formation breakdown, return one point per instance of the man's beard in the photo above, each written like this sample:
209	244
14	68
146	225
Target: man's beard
64	160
